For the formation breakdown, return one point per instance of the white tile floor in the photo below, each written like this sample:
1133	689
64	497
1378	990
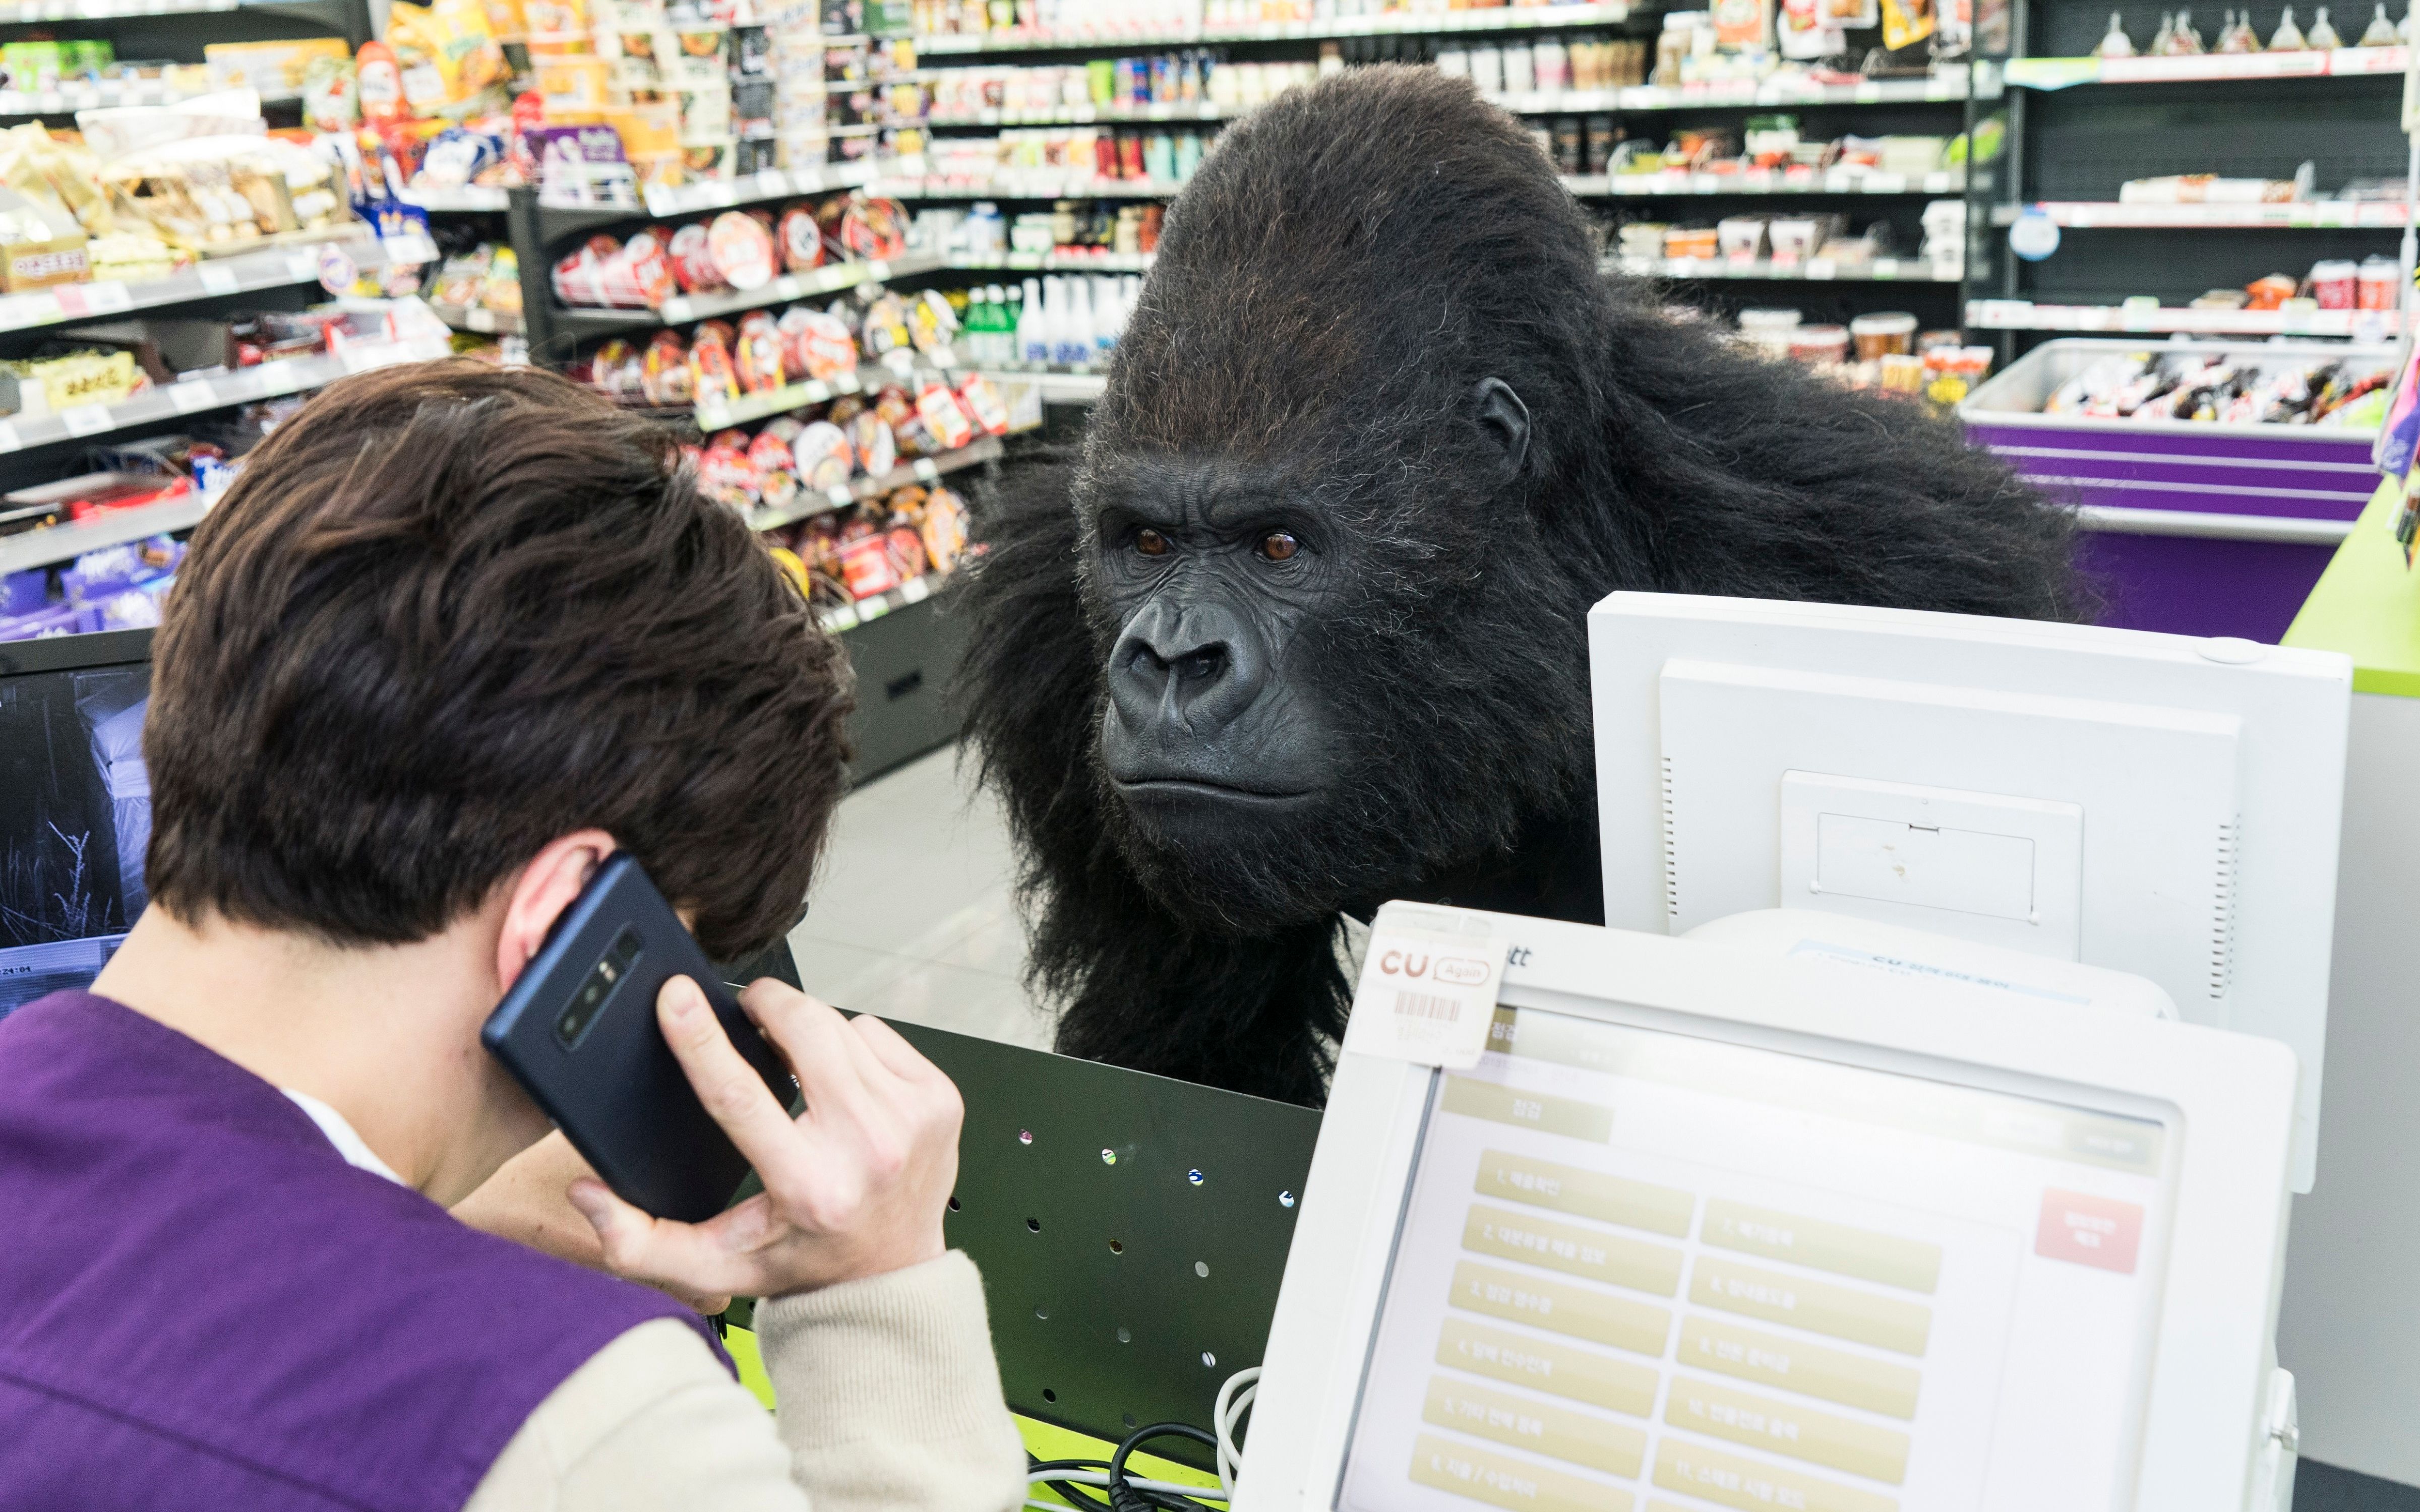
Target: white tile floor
912	917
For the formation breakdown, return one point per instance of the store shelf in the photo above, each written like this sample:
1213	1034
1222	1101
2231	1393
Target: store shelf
859	489
1058	385
682	309
1090	115
25	12
2304	215
1498	18
773	183
195	395
479	320
65	543
1048	262
79	95
470	199
246	273
1025	184
1813	271
2065	72
1759	182
914	590
779	401
2021	314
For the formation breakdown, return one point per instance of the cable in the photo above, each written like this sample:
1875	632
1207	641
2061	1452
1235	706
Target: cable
1224	1416
1096	1478
1124	1496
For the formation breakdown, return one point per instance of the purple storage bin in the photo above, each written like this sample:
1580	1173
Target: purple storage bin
2190	528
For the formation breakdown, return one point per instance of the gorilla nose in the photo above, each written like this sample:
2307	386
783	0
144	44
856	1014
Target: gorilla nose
1184	669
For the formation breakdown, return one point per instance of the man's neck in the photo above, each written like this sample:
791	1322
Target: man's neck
387	1035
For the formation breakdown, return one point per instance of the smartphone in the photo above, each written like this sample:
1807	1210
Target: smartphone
578	1031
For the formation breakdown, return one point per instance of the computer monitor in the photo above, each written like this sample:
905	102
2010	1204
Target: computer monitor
75	807
2160	804
1710	1229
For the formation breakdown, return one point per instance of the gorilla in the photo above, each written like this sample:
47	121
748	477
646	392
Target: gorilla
1301	628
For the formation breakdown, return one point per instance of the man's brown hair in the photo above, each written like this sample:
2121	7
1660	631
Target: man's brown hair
450	613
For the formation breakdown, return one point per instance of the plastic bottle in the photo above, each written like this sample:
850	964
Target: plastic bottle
2288	37
2380	31
2323	35
1032	329
2164	41
2188	36
1071	334
1109	318
2116	43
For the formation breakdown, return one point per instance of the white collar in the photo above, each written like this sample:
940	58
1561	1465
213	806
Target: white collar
341	1134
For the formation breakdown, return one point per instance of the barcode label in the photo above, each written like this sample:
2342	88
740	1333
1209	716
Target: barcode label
1428	1006
1427	992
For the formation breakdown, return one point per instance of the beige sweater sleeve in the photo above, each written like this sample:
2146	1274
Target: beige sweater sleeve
889	1398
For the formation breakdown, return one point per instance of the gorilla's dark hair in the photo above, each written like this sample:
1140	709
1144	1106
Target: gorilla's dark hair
1348	266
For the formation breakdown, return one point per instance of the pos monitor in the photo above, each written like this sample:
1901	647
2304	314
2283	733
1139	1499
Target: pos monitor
75	807
1709	1229
2160	805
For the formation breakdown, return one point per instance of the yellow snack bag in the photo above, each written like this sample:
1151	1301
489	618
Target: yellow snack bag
1907	21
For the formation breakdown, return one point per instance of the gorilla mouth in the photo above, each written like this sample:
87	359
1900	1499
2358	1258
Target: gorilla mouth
1194	787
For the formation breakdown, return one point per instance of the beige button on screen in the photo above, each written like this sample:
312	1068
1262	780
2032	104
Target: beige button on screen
1557	1433
1788	1429
1476	1099
1911	1263
1588	1251
1818	1307
1795	1364
1577	1312
1735	1480
1501	1480
1564	1369
1608	1200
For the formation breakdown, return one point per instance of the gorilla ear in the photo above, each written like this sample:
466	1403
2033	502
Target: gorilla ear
1503	416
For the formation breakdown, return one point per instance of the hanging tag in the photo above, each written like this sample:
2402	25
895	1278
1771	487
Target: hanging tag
1428	987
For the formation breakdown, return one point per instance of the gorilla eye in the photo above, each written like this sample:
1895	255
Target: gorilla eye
1278	547
1151	542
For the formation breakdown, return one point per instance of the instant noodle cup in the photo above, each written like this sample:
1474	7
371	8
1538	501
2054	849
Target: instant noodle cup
724	472
878	448
980	397
617	369
712	378
576	276
1883	333
664	371
757	353
931	322
906	551
693	263
816	345
742	248
884	325
1819	344
944	530
938	408
866	567
822	457
2335	284
777	477
802	240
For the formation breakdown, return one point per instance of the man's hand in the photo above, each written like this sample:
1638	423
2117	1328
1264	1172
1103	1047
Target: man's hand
855	1186
525	1201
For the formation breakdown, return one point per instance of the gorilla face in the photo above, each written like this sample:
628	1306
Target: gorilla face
1253	669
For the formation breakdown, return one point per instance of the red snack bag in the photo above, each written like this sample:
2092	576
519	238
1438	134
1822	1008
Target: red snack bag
866	566
664	373
640	276
725	471
692	259
712	379
777	476
944	530
906	551
802	242
980	397
938	408
757	353
817	346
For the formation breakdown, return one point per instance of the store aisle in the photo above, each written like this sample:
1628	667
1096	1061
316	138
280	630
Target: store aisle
911	915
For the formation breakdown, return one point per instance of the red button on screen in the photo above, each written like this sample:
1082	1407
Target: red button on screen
2090	1230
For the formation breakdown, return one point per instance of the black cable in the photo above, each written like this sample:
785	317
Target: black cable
1074	1495
1126	1497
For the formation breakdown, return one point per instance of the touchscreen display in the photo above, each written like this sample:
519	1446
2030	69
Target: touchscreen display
1645	1270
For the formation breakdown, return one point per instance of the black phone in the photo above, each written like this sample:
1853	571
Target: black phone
578	1031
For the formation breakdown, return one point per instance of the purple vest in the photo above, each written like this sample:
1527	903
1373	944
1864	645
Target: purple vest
203	1307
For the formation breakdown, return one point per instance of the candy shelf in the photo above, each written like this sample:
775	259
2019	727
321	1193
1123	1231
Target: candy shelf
2314	215
194	396
684	308
2024	315
470	199
244	273
479	319
1500	19
1813	271
65	543
2065	72
1710	185
922	470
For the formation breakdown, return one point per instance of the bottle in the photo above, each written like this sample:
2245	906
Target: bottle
2380	31
2116	43
2323	35
1002	343
2164	41
1071	334
2188	36
1033	333
1109	317
2288	37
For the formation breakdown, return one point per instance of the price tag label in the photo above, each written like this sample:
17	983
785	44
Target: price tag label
1885	268
18	311
106	296
772	184
1867	93
277	377
480	318
303	267
362	359
877	271
945	356
1428	988
914	590
87	419
676	310
1822	268
221	280
840	619
810	393
873	609
52	102
662	201
839	494
924	470
192	394
717	193
1886	183
10	441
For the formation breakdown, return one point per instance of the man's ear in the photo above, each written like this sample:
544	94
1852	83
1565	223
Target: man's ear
539	895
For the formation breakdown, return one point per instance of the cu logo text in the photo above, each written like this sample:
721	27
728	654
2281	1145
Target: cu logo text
1453	970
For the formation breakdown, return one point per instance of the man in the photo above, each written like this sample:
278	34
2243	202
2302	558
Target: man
455	637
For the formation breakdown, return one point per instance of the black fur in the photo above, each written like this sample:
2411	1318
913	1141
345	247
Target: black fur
1348	266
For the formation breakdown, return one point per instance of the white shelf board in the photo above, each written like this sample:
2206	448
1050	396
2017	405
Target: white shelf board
2321	214
64	543
244	273
1816	269
1496	19
1760	181
2021	314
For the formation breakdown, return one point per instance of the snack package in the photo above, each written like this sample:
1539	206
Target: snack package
944	530
447	53
618	370
822	457
1907	21
501	290
757	353
931	322
802	242
856	226
866	565
980	397
461	278
947	423
871	438
816	345
713	378
907	551
777	477
883	328
725	471
742	248
664	373
692	259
